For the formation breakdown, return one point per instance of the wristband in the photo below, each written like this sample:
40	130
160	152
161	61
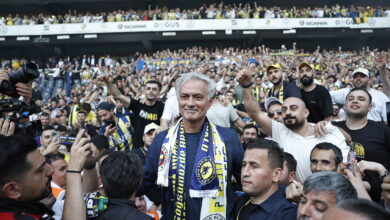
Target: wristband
74	171
247	85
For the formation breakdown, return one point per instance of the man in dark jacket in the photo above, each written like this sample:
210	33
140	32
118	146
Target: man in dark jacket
121	174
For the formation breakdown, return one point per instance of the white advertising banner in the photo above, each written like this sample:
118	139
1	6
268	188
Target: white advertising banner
191	25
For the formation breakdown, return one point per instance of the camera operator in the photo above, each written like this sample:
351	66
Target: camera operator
24	89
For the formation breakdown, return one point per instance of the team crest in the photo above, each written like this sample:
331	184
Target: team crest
205	170
163	159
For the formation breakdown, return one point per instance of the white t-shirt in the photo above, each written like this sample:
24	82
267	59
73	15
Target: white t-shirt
171	109
221	115
301	147
379	99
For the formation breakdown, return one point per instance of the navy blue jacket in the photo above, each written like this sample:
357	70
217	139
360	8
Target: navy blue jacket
193	205
275	207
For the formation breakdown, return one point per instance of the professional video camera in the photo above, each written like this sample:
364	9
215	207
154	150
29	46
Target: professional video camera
22	124
27	73
15	105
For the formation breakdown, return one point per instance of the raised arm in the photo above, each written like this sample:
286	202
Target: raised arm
250	102
381	65
114	90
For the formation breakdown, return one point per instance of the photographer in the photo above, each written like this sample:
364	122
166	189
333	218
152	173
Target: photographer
24	89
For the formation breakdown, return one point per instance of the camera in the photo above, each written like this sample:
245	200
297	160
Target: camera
21	126
27	73
15	105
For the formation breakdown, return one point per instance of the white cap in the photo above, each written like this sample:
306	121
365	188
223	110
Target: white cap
269	101
361	70
150	126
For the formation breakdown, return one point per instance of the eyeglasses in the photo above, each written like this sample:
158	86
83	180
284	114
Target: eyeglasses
279	112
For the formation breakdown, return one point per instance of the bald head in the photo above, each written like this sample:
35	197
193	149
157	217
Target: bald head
295	113
296	101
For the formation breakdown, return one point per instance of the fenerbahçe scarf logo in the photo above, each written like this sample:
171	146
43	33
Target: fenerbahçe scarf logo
205	170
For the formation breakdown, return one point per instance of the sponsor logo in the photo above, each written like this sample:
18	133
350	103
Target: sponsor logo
46	27
83	26
234	22
3	30
205	170
167	24
190	24
214	217
131	26
371	22
301	22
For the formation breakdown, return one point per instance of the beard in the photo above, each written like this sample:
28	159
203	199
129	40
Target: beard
295	125
361	86
278	82
307	81
46	192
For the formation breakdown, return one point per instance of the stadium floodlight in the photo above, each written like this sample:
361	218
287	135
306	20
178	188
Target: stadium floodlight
291	31
208	32
2	38
249	32
63	37
169	33
90	35
366	31
22	38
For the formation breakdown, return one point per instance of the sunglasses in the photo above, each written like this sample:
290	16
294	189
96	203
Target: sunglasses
271	114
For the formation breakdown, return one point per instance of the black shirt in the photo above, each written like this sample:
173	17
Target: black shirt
144	115
319	103
274	207
372	143
289	90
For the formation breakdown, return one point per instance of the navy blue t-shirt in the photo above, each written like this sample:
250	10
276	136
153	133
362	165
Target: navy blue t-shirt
193	205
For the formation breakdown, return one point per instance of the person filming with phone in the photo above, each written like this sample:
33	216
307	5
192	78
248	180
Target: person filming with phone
117	128
371	139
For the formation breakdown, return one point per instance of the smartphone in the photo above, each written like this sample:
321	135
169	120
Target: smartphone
54	136
351	156
112	123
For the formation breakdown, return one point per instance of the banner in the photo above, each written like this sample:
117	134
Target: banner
194	25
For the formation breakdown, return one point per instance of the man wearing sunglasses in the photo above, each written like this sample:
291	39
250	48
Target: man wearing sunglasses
274	109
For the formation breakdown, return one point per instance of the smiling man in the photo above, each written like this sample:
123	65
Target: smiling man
296	135
360	80
370	138
194	160
144	113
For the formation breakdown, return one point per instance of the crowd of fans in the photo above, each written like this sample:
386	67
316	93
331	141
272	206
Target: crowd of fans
296	116
213	11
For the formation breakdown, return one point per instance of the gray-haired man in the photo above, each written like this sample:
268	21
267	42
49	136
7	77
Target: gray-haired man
193	161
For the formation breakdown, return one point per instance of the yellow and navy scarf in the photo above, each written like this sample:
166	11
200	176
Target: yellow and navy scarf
209	178
281	97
